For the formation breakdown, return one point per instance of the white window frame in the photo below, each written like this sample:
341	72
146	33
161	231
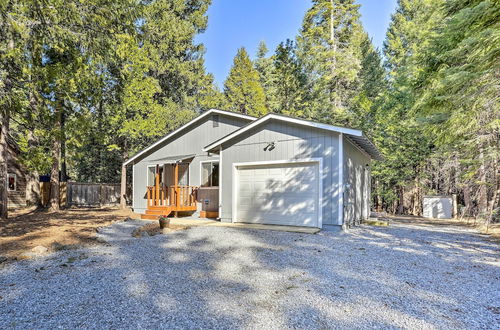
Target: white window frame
147	175
9	175
201	172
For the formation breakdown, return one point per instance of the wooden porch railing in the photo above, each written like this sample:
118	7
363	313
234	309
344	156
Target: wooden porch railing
178	198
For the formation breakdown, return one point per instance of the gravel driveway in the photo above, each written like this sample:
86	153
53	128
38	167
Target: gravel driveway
401	276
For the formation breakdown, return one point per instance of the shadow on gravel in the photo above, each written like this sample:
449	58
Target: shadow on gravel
215	277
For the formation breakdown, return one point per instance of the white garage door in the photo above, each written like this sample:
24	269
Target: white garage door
284	194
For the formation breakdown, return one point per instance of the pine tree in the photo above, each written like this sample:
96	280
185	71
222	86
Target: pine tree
329	50
243	89
11	86
289	81
401	136
267	77
372	85
459	96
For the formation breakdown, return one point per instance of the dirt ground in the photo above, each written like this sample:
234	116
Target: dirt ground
28	228
493	230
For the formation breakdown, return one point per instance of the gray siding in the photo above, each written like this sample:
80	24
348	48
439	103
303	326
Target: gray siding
356	184
291	142
190	141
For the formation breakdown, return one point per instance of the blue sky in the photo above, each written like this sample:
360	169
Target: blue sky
244	23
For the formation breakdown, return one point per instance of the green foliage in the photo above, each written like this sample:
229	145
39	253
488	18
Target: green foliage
399	135
105	78
458	95
373	84
329	49
243	89
267	76
290	81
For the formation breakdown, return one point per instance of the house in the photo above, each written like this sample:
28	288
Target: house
271	170
16	176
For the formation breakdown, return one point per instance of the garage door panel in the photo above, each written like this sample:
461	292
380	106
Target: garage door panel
285	194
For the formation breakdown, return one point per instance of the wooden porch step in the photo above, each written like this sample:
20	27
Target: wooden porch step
153	213
160	208
149	217
158	211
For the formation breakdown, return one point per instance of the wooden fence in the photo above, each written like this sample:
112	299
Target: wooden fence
86	194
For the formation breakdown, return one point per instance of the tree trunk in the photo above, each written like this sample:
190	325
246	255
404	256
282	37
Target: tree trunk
54	176
123	186
334	97
401	192
467	201
56	154
5	122
32	178
64	174
4	156
482	199
495	200
33	197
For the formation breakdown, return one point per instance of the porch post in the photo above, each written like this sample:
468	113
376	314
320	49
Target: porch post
176	188
157	185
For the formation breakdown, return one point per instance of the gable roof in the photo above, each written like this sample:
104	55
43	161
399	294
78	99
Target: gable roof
187	125
356	136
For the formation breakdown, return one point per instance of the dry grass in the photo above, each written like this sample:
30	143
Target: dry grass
27	228
493	230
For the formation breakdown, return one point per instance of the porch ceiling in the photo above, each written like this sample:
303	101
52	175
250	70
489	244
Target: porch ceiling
172	159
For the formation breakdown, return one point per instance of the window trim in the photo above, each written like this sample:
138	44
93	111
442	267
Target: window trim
9	175
201	173
147	175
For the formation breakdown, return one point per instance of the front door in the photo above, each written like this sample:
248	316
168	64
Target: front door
167	174
183	174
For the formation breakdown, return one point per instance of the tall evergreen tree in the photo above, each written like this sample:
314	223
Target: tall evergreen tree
265	68
372	85
289	81
401	137
329	48
459	97
243	89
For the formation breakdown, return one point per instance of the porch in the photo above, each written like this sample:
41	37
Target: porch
169	194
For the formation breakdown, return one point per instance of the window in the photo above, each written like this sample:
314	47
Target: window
12	182
215	120
210	174
151	175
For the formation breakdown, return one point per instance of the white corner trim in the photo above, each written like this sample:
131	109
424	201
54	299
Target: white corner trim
220	182
340	188
200	117
318	161
268	117
133	187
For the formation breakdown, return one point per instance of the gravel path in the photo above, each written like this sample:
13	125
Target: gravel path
402	276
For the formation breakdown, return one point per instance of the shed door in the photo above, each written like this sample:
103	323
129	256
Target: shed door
284	194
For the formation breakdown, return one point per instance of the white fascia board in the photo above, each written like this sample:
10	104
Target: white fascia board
194	120
268	117
231	113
